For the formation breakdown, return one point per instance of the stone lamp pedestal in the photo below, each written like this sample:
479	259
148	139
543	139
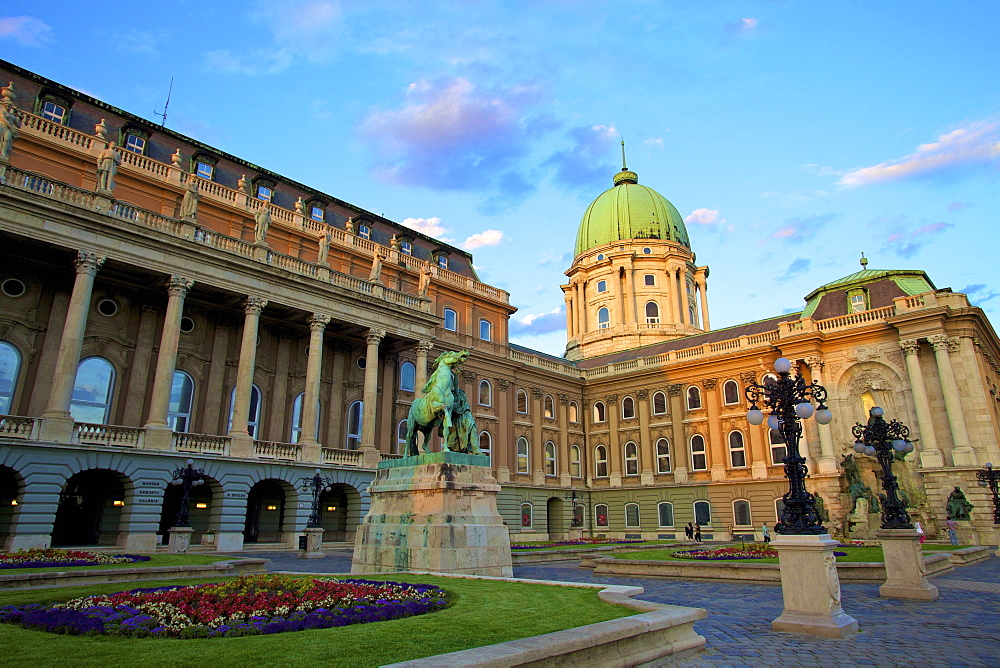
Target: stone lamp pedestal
811	588
314	543
996	538
906	576
435	512
180	540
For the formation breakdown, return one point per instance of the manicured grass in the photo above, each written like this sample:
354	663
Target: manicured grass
484	612
854	555
154	560
585	547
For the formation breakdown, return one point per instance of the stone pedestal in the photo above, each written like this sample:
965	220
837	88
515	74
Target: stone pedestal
180	539
905	574
435	512
996	538
314	544
811	588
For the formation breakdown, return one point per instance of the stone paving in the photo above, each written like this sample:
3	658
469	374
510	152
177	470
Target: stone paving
961	628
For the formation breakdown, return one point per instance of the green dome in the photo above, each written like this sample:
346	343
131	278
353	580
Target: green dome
629	211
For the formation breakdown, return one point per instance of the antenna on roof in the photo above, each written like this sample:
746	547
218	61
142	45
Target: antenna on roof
163	114
864	261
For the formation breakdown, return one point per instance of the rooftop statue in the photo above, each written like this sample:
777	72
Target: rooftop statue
263	221
9	123
107	167
189	205
444	407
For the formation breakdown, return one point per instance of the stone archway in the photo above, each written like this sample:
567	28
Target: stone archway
90	509
341	512
555	518
267	505
200	503
10	489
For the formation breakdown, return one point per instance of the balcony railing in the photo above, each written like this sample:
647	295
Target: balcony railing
17	426
108	434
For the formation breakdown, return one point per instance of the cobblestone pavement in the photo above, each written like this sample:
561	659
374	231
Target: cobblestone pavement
961	628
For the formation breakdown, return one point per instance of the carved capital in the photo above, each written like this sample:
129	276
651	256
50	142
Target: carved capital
254	305
910	346
611	399
374	336
424	346
943	342
815	362
318	322
88	263
178	286
709	383
468	376
642	395
748	377
674	390
503	384
563	399
536	392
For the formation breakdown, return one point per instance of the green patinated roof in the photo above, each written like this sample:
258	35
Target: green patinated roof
629	211
910	281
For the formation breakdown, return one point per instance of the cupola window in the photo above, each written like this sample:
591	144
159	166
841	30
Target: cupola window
602	286
603	318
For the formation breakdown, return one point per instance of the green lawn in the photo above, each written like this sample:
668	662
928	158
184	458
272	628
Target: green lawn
483	612
585	547
155	560
854	554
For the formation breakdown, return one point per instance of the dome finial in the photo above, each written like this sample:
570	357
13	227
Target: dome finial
626	175
624	167
864	261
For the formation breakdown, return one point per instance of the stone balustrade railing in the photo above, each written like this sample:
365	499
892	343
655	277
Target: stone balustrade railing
200	443
18	426
108	434
342	457
275	450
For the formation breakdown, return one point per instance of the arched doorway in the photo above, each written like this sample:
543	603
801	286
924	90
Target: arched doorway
10	486
199	510
555	518
265	512
90	509
340	509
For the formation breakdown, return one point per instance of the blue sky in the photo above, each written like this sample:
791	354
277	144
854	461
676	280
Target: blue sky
792	135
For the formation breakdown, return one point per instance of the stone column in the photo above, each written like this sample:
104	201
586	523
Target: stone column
371	456
581	309
828	458
242	444
962	454
810	587
423	349
615	452
57	423
905	573
703	291
930	456
569	316
166	362
310	402
679	448
672	297
682	297
647	458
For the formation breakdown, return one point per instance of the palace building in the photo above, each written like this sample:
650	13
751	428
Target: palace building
161	300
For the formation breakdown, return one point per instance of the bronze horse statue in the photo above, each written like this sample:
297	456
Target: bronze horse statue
436	409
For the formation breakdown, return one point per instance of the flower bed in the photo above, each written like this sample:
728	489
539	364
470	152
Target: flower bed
49	557
578	541
755	551
255	605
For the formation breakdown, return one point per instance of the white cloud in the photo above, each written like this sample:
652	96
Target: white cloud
535	324
484	238
975	144
432	227
27	30
704	217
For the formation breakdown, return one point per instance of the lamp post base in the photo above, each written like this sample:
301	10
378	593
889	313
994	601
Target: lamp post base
811	588
314	544
996	535
180	540
904	566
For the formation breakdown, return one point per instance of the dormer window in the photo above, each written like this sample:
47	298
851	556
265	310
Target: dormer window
203	166
440	258
364	231
134	140
53	107
316	212
857	301
264	193
405	247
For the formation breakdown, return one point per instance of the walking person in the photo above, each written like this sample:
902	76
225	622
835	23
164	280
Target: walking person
766	533
697	532
689	531
952	527
920	530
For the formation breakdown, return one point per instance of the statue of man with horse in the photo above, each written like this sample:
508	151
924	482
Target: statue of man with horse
444	407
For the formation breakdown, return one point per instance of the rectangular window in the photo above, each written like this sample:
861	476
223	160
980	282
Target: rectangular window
632	515
204	170
666	512
316	213
135	143
857	303
406	248
649	279
264	193
485	330
54	112
602	286
364	232
450	320
442	261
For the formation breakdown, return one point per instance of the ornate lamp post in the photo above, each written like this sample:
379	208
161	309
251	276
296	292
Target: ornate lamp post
186	477
312	543
789	400
989	477
883	439
576	521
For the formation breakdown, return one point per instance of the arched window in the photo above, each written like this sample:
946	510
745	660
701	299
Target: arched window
550	458
526	515
659	403
599	415
574	412
485	329
407	376
601	514
699	458
93	390
400	438
179	408
486	444
741	513
485	393
631	459
665	512
523	461
731	392
10	367
575	466
702	513
694	398
663	456
632	515
603	318
297	417
628	408
652	313
778	449
522	402
253	415
355	416
549	407
450	320
600	462
737	450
